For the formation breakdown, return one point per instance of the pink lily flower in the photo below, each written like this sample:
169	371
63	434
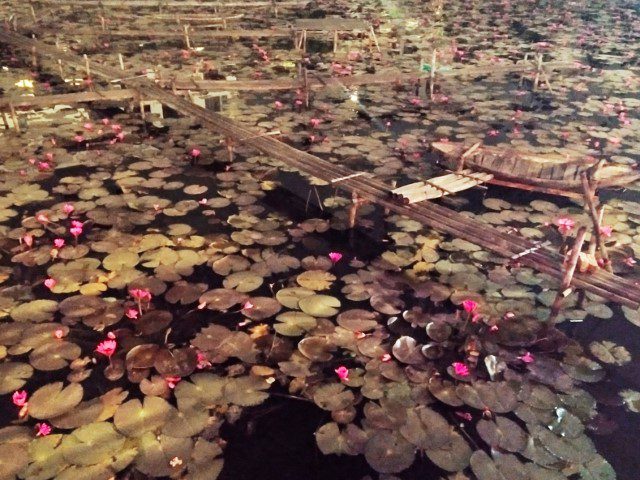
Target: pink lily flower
335	257
59	333
606	231
527	358
460	369
58	243
68	208
28	240
469	306
43	429
19	398
50	283
132	313
343	373
107	348
565	225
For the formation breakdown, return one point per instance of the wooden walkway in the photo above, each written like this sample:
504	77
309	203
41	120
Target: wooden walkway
314	83
435	216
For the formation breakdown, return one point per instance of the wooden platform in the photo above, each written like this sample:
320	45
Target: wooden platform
439	186
601	283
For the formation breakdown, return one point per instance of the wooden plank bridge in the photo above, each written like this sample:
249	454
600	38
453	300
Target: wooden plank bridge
430	214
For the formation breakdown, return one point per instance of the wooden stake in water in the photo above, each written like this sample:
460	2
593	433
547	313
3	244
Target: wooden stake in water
432	73
570	268
121	60
60	68
14	117
186	37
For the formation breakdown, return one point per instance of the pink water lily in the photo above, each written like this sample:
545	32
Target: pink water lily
79	138
203	361
132	313
75	231
172	381
527	358
42	218
469	306
343	373
140	294
107	347
28	240
50	283
195	153
58	333
335	257
314	122
278	104
58	243
43	429
606	231
68	208
88	126
247	305
44	166
19	398
460	369
565	224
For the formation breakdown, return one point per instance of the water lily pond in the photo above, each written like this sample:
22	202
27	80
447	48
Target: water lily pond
177	305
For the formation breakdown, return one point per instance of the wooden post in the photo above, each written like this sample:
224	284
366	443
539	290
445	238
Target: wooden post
335	41
86	65
372	32
353	210
186	37
432	73
14	117
305	79
34	57
536	80
60	69
5	120
590	200
229	143
570	268
103	23
121	61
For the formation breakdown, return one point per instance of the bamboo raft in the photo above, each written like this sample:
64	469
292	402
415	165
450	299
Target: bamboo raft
439	186
546	173
600	282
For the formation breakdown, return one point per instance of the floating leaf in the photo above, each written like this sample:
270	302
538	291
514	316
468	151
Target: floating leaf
294	324
388	452
134	418
53	400
357	320
92	444
502	433
333	396
246	391
319	305
609	352
453	456
13	376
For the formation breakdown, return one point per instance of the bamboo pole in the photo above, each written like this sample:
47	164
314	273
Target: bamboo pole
14	117
590	200
570	268
187	42
432	73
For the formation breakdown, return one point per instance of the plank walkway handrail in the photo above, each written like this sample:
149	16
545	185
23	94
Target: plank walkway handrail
601	282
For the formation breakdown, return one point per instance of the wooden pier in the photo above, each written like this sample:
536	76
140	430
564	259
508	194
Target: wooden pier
601	282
